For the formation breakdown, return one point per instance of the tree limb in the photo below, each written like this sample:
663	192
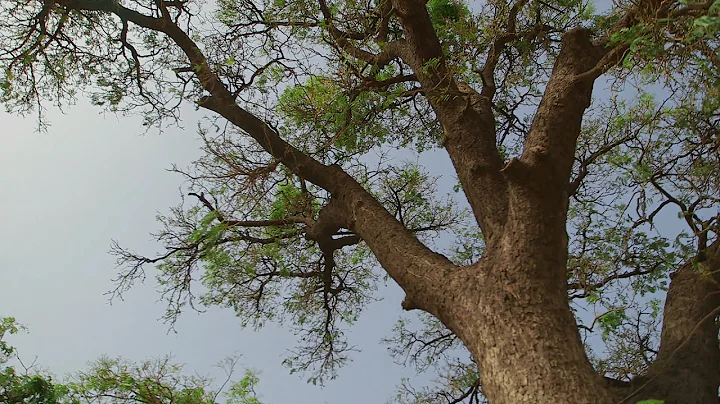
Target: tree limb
465	115
689	348
410	263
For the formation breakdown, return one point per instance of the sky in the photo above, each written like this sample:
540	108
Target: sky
95	177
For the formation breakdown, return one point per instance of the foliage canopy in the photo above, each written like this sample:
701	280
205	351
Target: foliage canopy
116	381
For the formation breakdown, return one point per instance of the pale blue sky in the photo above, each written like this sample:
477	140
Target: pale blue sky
92	178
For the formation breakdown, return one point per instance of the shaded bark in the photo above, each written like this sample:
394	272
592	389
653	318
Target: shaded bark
687	368
466	117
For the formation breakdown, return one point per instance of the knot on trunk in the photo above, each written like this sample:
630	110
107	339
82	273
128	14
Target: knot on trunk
331	218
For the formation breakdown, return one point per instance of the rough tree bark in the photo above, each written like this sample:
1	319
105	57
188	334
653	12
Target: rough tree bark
511	308
687	368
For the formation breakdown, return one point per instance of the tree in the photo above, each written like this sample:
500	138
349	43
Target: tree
115	381
23	387
564	202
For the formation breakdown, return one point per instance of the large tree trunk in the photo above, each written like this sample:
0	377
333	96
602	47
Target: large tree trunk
687	368
517	324
512	311
513	314
522	335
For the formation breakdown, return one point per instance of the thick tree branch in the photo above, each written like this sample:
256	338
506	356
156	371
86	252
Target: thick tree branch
417	269
465	115
549	149
390	50
689	349
551	142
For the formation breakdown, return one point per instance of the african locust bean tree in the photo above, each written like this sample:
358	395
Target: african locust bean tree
296	211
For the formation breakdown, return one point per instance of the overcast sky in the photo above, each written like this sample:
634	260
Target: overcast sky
92	178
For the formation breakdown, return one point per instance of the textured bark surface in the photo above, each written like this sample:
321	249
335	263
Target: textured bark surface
511	310
687	369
